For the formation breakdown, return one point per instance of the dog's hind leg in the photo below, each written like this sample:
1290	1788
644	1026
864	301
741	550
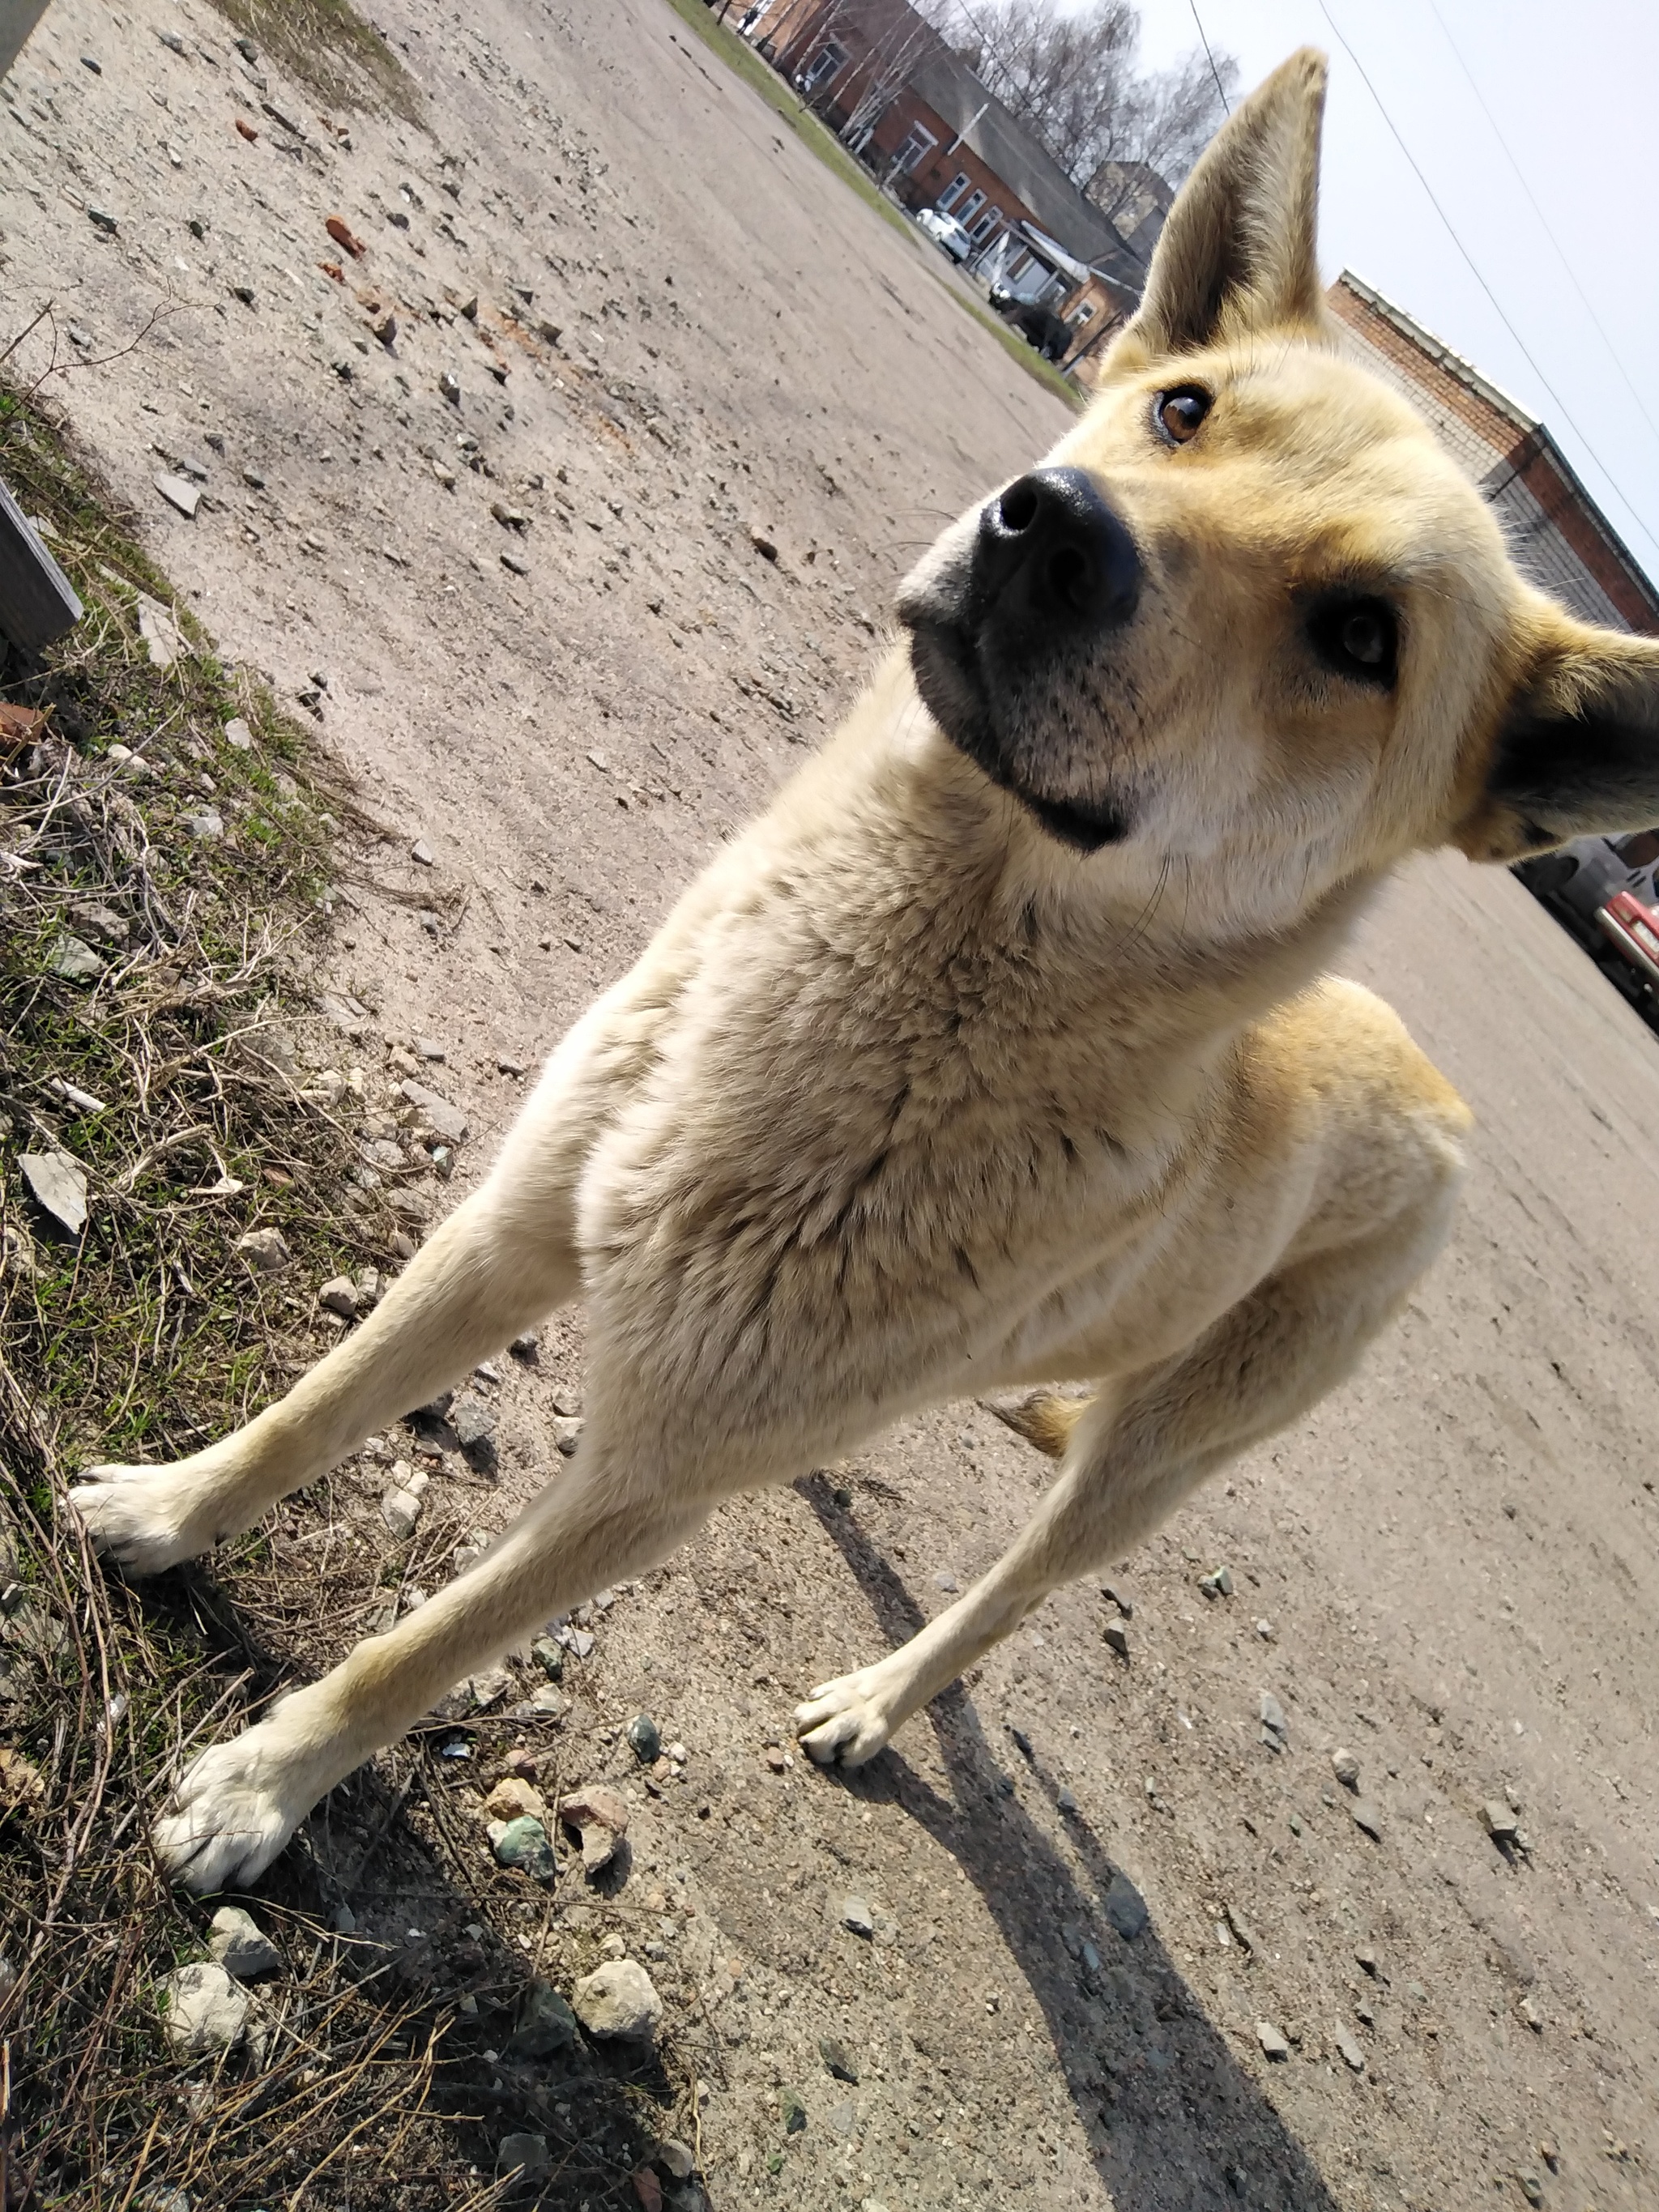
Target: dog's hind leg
1135	1452
501	1261
241	1802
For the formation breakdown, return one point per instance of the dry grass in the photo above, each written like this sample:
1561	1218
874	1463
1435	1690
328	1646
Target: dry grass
138	1338
327	45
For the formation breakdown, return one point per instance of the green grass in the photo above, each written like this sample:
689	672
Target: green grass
742	59
328	45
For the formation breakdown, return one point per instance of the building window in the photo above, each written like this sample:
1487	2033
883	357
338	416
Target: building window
917	142
970	207
822	67
959	184
986	223
1084	314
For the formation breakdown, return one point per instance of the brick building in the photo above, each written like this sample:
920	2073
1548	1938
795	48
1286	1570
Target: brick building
1559	536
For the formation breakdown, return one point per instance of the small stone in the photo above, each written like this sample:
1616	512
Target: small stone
515	563
762	545
600	1818
1368	1817
204	2011
1345	1767
1499	1821
265	1251
1529	2186
445	1120
523	1843
1350	2053
945	1581
856	1917
618	2000
1274	1730
546	2024
646	1739
449	386
101	219
510	518
836	2060
1273	2045
527	2157
401	1511
1116	1595
474	1424
423	855
241	1945
1065	1801
1117	1639
1125	1907
163	639
792	2112
547	1656
843	2118
238	736
74	959
177	491
677	2160
57	1183
1243	1932
526	1347
514	1798
567	1430
647	2188
205	826
1218	1584
1365	1959
339	1296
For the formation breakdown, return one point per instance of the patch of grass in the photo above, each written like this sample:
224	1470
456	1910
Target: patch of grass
327	45
164	1074
742	60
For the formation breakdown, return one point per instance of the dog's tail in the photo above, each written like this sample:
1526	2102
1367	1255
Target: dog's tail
1042	1417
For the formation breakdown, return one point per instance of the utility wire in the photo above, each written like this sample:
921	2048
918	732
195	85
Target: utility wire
1227	105
1608	475
1544	220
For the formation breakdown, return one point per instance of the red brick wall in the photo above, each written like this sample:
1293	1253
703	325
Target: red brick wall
1487	422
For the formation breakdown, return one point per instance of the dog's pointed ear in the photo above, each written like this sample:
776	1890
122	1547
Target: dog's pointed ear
1237	253
1577	750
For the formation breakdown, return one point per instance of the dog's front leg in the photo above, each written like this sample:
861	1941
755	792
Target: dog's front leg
501	1261
239	1803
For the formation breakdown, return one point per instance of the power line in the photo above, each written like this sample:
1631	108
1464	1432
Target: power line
1226	104
1560	251
1451	232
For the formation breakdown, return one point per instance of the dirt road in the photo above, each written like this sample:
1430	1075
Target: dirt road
1452	1571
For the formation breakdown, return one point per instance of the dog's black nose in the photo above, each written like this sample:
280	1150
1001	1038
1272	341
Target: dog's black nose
1050	548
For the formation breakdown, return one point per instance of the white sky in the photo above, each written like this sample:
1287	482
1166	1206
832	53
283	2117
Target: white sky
1575	91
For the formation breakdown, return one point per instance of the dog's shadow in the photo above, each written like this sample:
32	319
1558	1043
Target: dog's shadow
1172	2121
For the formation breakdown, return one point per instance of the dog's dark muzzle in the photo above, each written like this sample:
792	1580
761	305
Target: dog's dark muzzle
1052	564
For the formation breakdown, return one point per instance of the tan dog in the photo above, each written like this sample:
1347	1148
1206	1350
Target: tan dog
993	1056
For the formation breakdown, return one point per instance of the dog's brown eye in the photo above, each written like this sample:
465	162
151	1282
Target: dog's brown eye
1181	412
1358	638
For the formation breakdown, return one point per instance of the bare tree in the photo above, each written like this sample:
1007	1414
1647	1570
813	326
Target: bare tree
1072	82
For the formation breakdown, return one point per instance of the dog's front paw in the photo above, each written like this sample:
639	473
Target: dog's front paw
237	1805
138	1518
844	1723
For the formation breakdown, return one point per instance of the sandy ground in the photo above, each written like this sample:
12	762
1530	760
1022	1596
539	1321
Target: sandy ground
1452	1570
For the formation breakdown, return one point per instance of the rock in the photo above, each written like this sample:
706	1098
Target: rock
204	2011
1117	1639
1125	1907
161	632
177	491
473	1420
101	219
676	2158
241	1945
527	1347
74	959
1274	1730
856	1917
527	2157
1350	2053
339	1296
1345	1767
265	1251
546	2024
836	2060
238	736
57	1183
514	1798
1218	1584
400	1510
523	1843
567	1430
618	2000
647	2189
1243	1933
1529	2186
646	1739
510	518
1368	1817
793	2110
600	1818
1498	1822
205	826
516	563
1273	2045
449	1122
423	857
1365	1959
341	232
547	1656
449	387
762	545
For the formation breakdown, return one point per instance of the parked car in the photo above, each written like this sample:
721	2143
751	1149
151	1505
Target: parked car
946	233
1602	890
1039	325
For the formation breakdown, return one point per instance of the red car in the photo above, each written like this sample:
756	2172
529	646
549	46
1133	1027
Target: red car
1632	930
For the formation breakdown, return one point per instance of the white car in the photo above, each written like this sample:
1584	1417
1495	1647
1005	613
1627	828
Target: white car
946	233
